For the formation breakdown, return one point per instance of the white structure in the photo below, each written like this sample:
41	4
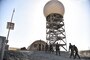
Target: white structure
54	6
55	32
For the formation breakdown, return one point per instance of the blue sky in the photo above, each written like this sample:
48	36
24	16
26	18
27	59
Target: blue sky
30	22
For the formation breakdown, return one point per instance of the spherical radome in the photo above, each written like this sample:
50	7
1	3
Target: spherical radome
53	6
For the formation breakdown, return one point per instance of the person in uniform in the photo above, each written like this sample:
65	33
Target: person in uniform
46	47
57	49
76	52
51	48
71	49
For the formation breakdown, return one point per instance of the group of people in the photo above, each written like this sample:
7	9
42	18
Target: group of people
73	51
51	50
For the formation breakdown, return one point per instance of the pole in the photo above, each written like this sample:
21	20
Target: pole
11	21
12	14
8	34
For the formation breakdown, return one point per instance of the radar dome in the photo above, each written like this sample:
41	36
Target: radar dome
53	6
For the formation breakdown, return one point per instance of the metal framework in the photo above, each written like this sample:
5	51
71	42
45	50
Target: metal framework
55	31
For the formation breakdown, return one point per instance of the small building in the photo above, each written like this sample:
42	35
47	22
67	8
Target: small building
37	45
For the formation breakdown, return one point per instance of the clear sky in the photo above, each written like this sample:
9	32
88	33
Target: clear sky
30	23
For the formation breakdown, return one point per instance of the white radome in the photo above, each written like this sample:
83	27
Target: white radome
53	6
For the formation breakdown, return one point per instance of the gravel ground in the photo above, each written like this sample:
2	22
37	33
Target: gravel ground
38	55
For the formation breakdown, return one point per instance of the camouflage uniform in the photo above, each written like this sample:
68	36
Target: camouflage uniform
71	49
57	49
76	52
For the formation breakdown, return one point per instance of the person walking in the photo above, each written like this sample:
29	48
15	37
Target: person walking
76	52
71	49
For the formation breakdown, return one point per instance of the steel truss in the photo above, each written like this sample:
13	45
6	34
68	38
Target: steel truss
55	31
